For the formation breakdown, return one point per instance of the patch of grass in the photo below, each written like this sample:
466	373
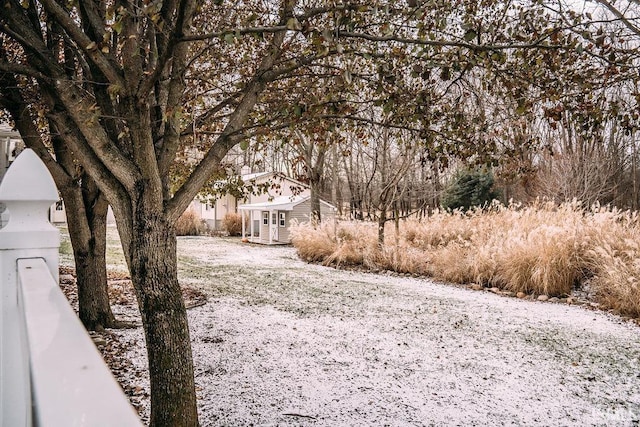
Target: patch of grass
538	249
115	255
288	286
66	251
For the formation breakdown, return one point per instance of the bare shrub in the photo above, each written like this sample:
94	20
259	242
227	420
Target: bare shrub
588	176
189	224
232	224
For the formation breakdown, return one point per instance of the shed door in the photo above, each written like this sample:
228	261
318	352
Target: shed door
274	225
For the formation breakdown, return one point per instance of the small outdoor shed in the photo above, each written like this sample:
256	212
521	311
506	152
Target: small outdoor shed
269	221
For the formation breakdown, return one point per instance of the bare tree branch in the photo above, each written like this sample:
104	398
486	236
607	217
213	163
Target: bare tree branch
229	136
21	69
88	46
613	9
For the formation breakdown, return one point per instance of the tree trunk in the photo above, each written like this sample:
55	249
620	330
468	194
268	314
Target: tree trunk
315	177
634	174
153	264
87	222
437	185
316	216
382	220
91	270
396	222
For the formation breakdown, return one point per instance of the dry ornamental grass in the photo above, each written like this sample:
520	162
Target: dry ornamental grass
232	224
541	249
189	224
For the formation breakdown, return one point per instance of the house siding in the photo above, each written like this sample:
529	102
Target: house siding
326	212
280	186
284	233
223	206
301	213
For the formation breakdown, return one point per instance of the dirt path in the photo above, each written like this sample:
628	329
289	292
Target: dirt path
285	343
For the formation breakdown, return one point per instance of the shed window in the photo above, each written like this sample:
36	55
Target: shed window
282	219
59	205
265	218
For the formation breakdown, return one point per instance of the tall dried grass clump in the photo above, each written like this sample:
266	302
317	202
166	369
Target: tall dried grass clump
618	286
403	259
356	243
189	224
614	260
534	252
529	249
313	244
538	249
544	260
232	224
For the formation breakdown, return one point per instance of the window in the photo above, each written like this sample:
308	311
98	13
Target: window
59	205
283	217
274	219
265	218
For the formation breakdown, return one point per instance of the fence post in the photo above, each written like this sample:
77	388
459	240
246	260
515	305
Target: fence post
28	191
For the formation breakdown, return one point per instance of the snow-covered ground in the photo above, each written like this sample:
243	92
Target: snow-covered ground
284	343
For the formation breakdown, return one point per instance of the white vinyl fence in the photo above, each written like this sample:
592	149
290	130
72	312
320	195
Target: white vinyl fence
51	374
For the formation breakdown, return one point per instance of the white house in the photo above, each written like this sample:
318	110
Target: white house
276	216
258	187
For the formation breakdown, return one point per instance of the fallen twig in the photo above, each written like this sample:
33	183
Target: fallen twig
194	305
291	414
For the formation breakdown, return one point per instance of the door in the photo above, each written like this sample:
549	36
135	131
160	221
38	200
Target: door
274	225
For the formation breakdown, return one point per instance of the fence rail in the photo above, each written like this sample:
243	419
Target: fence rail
51	373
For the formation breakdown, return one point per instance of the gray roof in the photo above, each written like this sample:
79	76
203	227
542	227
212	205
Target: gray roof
282	203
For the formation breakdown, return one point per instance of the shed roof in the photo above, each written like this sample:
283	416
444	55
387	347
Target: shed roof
251	176
282	203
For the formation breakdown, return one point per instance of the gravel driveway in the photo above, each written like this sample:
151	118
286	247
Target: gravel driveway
285	343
